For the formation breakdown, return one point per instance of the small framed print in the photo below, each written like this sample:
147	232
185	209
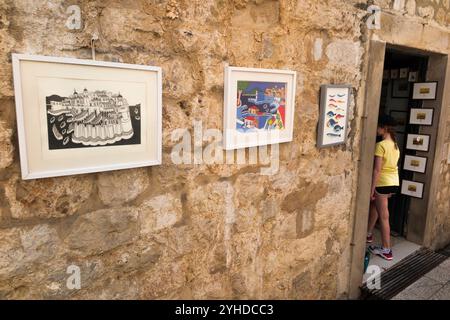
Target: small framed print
425	90
401	117
394	73
334	103
415	164
400	88
412	189
258	107
403	74
413	76
418	142
423	117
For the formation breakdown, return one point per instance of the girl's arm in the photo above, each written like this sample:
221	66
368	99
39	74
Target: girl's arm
376	174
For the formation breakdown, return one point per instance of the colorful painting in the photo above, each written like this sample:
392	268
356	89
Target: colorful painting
334	109
260	106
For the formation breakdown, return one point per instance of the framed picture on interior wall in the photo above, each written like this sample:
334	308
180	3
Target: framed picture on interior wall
395	73
412	189
403	73
259	107
415	164
413	76
425	90
401	117
79	116
400	88
423	117
333	116
418	142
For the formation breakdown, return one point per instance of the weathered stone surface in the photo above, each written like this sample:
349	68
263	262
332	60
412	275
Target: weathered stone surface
100	231
118	187
47	198
159	212
6	147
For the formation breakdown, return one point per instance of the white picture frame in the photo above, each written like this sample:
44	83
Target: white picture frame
403	74
333	115
418	142
115	122
395	73
412	189
425	90
421	116
259	106
413	76
415	164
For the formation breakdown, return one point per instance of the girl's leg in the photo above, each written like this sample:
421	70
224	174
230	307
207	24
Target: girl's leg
373	217
381	202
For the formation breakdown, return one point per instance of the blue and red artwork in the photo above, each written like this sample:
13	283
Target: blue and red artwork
260	106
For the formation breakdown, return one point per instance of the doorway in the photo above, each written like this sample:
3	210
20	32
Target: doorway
416	219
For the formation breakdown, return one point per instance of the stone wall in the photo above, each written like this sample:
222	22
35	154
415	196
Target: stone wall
192	231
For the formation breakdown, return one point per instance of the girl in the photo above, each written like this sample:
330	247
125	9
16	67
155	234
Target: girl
385	183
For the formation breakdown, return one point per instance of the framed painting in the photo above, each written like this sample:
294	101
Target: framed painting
259	107
413	76
395	73
401	117
425	90
412	189
415	164
80	116
403	73
423	117
334	104
418	142
400	88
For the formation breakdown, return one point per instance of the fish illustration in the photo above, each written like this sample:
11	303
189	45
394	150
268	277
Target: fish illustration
66	140
339	116
60	117
339	109
56	133
332	95
331	114
332	100
331	105
62	125
52	119
341	95
333	135
338	128
340	101
63	131
331	123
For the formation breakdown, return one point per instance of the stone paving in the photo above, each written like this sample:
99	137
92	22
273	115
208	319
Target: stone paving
435	285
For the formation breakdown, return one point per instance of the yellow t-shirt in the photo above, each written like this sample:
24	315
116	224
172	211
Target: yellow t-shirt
389	170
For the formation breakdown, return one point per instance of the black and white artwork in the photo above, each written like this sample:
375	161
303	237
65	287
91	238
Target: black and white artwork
92	118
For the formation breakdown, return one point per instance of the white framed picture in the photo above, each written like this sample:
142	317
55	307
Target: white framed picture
425	90
412	189
80	116
418	142
413	76
415	164
334	104
423	117
403	73
259	107
395	73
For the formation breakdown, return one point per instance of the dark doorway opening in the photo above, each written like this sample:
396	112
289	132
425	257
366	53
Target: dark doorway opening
401	71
